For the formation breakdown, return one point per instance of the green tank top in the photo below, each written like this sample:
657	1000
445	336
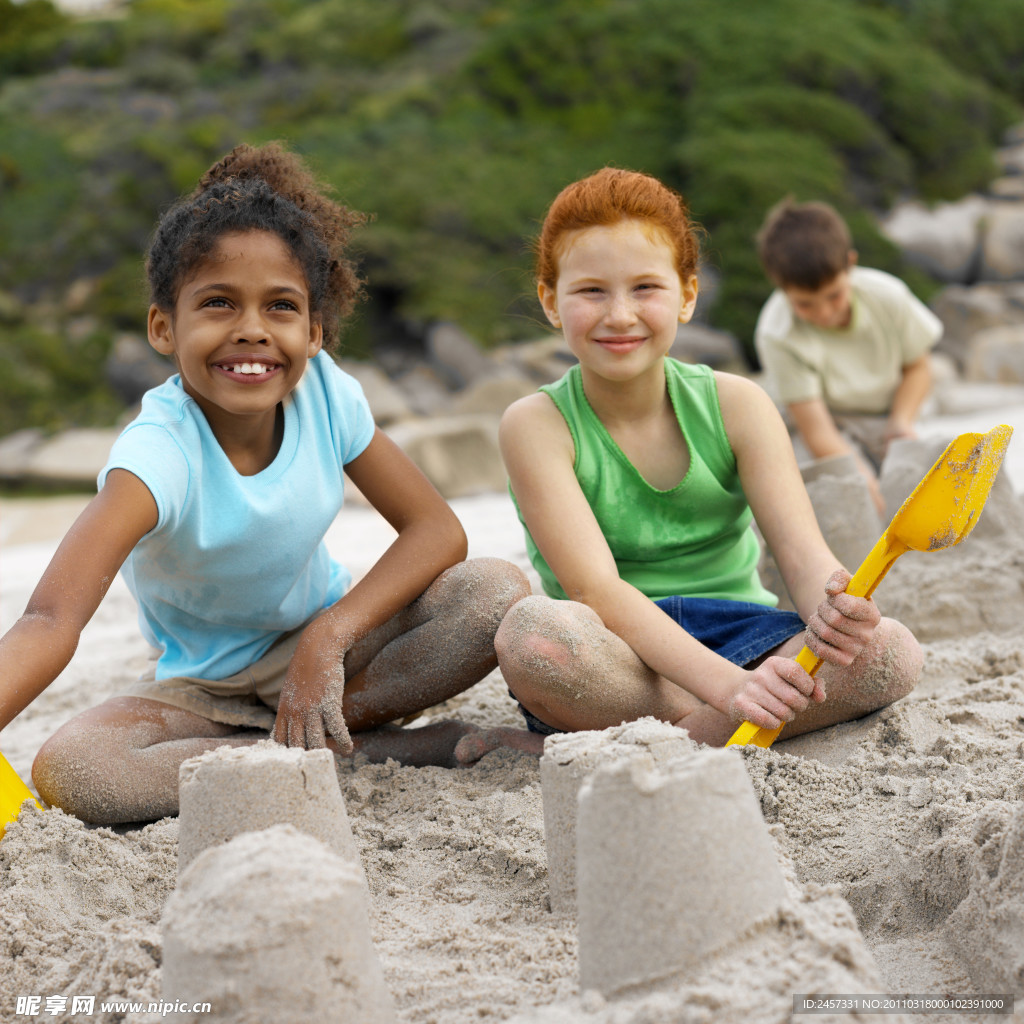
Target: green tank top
694	540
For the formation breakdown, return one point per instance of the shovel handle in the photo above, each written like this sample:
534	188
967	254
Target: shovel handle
862	584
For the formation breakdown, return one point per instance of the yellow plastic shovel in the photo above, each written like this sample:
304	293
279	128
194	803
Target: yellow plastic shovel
13	793
939	513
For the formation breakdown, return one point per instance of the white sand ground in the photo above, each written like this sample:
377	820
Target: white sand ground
900	835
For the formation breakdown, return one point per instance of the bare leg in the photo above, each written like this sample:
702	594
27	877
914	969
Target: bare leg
439	646
119	761
573	673
888	669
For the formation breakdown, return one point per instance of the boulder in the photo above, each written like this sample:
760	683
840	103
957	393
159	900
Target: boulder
697	343
133	367
424	390
16	452
387	402
1009	187
458	454
997	354
966	310
943	240
493	395
455	356
543	360
1002	257
72	457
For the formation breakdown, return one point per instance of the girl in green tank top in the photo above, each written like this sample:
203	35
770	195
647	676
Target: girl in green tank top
637	479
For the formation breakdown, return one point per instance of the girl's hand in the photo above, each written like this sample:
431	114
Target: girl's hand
774	693
843	625
310	708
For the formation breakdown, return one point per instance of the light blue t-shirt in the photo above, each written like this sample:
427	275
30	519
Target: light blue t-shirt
235	561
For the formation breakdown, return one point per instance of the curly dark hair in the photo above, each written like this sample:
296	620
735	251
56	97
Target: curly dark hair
265	188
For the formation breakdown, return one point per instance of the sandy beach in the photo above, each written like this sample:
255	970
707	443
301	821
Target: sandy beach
899	836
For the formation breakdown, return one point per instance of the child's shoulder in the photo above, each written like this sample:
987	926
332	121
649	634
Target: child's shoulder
880	283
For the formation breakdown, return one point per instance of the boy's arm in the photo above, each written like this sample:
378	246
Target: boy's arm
430	539
40	644
914	387
821	435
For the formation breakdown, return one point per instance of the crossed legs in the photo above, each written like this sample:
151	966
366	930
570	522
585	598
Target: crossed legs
118	762
565	667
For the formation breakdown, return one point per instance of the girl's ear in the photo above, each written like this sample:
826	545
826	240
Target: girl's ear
689	289
160	330
316	337
546	295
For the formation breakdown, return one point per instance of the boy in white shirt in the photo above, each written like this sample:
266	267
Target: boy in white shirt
846	348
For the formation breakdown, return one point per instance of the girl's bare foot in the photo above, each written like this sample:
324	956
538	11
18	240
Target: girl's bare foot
475	744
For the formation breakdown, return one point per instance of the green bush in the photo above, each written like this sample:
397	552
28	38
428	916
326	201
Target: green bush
456	122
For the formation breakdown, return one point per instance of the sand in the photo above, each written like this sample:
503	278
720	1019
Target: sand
899	837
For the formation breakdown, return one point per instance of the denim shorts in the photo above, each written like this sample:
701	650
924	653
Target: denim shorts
740	631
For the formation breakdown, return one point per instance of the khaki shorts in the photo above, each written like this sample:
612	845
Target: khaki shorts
247	699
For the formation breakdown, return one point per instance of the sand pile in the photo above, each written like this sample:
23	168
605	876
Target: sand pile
899	838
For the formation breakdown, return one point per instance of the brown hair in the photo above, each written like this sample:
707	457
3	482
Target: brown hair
606	198
803	245
263	188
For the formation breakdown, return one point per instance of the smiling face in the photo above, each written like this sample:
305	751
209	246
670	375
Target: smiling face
241	331
618	298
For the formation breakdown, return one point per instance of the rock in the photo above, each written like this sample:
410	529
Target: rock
997	354
424	390
944	240
455	356
957	397
493	395
543	360
387	402
1002	257
16	451
1010	187
697	343
458	454
966	310
133	367
73	457
1011	158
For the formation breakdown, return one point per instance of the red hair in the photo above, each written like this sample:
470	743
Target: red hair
606	198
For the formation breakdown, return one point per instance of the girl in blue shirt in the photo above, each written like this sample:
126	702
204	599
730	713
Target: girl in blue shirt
214	504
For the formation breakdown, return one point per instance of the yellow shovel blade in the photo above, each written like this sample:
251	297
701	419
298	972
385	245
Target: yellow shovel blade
940	512
13	793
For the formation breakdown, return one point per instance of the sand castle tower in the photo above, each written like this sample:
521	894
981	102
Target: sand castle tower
231	790
673	865
272	926
567	761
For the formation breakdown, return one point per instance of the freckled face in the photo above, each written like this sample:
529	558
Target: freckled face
827	306
241	331
618	298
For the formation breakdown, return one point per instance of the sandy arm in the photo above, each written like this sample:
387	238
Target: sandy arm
40	644
430	539
840	625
